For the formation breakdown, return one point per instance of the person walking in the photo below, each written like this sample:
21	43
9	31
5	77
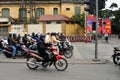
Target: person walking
106	38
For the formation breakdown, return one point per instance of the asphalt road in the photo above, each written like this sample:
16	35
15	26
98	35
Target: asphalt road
19	71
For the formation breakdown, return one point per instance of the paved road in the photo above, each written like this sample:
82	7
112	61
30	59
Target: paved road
9	71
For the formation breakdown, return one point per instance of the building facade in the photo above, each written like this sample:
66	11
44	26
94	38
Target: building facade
29	11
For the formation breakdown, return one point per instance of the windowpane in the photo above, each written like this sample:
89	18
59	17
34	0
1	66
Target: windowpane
77	10
39	12
5	12
22	12
55	11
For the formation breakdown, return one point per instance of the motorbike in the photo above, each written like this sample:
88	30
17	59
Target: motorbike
116	55
65	49
35	60
7	51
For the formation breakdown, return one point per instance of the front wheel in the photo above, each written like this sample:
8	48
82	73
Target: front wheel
116	59
31	63
61	64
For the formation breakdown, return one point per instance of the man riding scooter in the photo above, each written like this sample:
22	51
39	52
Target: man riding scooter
41	47
11	44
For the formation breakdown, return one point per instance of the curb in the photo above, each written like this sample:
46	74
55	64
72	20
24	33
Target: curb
70	61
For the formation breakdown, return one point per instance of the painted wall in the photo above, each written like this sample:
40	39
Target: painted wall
18	29
53	27
37	28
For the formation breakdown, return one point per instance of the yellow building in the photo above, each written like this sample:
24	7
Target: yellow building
29	11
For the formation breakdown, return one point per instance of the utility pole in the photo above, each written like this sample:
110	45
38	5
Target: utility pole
96	36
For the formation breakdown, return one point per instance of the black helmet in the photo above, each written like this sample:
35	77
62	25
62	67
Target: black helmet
42	37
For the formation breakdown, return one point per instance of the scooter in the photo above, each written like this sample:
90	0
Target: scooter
65	49
7	51
35	60
116	55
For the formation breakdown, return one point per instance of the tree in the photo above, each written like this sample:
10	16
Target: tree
113	5
116	22
79	18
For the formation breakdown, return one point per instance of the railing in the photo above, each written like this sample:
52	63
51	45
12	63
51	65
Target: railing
80	38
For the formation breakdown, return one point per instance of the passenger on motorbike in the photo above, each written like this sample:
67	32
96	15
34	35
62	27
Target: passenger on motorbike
11	44
55	39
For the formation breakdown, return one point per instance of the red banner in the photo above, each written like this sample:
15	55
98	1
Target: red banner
106	28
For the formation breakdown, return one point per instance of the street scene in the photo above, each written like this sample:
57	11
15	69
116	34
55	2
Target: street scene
60	39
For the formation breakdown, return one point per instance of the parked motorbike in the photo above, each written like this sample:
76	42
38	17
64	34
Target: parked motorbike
35	60
7	51
65	49
116	55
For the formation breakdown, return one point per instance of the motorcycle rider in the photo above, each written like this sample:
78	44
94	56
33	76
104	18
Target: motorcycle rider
34	37
41	47
11	44
25	40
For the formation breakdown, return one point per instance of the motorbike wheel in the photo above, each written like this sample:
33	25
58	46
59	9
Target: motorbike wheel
116	59
61	64
68	53
71	47
31	63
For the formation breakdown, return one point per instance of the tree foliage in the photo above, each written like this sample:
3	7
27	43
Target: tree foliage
79	19
113	5
116	22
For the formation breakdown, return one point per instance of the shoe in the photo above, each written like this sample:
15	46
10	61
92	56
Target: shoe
45	64
14	57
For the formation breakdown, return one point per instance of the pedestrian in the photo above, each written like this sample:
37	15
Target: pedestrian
106	38
85	38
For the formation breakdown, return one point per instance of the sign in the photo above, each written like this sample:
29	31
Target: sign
105	28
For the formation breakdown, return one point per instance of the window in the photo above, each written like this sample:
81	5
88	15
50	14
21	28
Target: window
58	22
55	11
22	12
5	12
39	12
4	31
67	9
48	22
77	10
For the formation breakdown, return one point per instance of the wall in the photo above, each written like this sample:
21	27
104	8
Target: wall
74	29
53	27
18	29
37	28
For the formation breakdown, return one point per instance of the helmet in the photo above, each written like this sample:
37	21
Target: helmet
33	33
42	37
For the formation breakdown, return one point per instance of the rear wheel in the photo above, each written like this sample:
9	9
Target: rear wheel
31	63
68	53
61	64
